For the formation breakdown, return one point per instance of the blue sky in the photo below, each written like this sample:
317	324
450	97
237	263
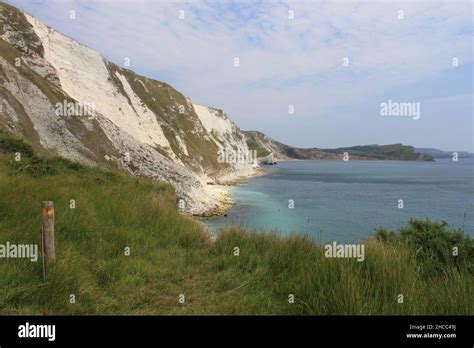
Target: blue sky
296	61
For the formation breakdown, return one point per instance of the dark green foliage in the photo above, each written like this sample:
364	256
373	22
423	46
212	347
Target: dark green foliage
434	243
12	145
35	167
38	167
31	164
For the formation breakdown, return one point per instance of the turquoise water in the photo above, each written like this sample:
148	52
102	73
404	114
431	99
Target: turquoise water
345	201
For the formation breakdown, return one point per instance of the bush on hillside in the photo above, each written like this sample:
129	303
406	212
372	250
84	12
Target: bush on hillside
30	163
435	244
9	144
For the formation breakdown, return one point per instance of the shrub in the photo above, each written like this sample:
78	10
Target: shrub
9	144
434	243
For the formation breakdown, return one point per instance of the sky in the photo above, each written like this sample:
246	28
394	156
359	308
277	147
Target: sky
333	63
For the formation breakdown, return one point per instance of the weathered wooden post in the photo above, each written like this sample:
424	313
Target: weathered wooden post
47	233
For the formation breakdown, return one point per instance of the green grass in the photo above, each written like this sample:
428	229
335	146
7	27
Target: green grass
171	254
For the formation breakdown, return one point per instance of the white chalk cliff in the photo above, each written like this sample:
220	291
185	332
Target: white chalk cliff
140	125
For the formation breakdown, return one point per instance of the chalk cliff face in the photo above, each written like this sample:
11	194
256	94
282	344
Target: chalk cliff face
68	100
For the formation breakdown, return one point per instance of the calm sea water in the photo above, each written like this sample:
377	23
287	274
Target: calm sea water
346	201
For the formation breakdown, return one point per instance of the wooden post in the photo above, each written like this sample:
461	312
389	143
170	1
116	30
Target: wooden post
47	233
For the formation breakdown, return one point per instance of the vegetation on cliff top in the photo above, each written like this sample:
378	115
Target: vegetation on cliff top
383	152
171	254
260	142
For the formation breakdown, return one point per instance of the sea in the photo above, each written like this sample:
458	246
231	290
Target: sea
345	201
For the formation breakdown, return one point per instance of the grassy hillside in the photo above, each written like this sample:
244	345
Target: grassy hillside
171	255
258	141
384	152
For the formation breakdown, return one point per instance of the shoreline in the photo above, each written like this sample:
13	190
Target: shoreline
225	202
